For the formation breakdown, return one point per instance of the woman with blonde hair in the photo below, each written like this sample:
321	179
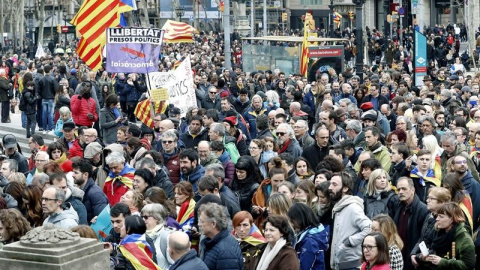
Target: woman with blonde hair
412	141
379	197
134	200
430	143
278	204
18	177
384	224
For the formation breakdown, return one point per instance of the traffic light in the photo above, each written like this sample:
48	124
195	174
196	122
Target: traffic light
351	15
284	16
59	28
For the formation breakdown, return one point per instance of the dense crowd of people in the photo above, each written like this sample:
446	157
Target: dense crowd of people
268	171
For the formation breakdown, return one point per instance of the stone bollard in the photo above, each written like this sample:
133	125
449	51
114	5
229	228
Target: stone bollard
54	248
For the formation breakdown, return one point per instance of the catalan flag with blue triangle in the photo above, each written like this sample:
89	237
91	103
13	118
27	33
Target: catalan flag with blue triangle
135	248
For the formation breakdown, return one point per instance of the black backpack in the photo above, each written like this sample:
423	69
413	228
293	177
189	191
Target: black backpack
22	105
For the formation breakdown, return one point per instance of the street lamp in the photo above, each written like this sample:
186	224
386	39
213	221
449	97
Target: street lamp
65	22
180	11
386	4
359	37
331	18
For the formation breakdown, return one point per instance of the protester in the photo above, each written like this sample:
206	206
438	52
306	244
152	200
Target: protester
375	252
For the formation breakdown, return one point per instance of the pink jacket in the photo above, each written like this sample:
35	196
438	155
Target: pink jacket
377	267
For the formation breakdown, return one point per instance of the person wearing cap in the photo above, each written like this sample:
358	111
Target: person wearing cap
93	152
11	147
230	124
70	140
72	78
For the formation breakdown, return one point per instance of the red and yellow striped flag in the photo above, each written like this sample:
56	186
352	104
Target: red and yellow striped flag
176	32
94	17
177	64
91	56
304	53
142	111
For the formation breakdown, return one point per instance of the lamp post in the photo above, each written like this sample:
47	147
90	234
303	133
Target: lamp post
359	37
386	4
331	18
180	11
65	23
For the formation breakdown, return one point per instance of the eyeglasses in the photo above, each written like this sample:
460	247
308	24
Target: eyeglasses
157	120
146	217
48	199
367	247
213	93
281	133
167	142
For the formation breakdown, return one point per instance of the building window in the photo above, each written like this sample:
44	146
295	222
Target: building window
311	2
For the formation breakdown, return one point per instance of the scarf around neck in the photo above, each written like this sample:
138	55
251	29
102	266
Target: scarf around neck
270	253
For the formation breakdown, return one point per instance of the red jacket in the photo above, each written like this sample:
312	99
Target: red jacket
80	109
76	150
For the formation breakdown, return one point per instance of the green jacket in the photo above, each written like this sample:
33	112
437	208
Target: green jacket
383	156
460	150
464	252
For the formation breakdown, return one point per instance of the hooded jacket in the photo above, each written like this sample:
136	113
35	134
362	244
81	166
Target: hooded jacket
350	226
67	219
311	247
74	197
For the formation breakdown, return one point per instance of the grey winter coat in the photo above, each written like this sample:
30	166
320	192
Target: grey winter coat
350	226
66	219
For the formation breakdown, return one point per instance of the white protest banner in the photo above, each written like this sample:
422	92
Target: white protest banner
179	83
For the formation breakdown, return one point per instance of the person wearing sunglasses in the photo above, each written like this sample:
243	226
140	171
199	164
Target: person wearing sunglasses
170	154
287	142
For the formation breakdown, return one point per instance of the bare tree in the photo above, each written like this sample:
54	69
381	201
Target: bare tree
41	19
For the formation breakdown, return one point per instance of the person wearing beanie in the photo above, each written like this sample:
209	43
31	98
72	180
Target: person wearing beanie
230	124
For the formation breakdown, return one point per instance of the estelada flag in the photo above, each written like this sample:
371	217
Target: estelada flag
136	249
142	111
176	32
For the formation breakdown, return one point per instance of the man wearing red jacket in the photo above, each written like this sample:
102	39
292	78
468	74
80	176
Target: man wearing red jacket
83	107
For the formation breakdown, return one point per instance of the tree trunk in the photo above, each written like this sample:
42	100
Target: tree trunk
144	20
41	19
21	24
2	28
